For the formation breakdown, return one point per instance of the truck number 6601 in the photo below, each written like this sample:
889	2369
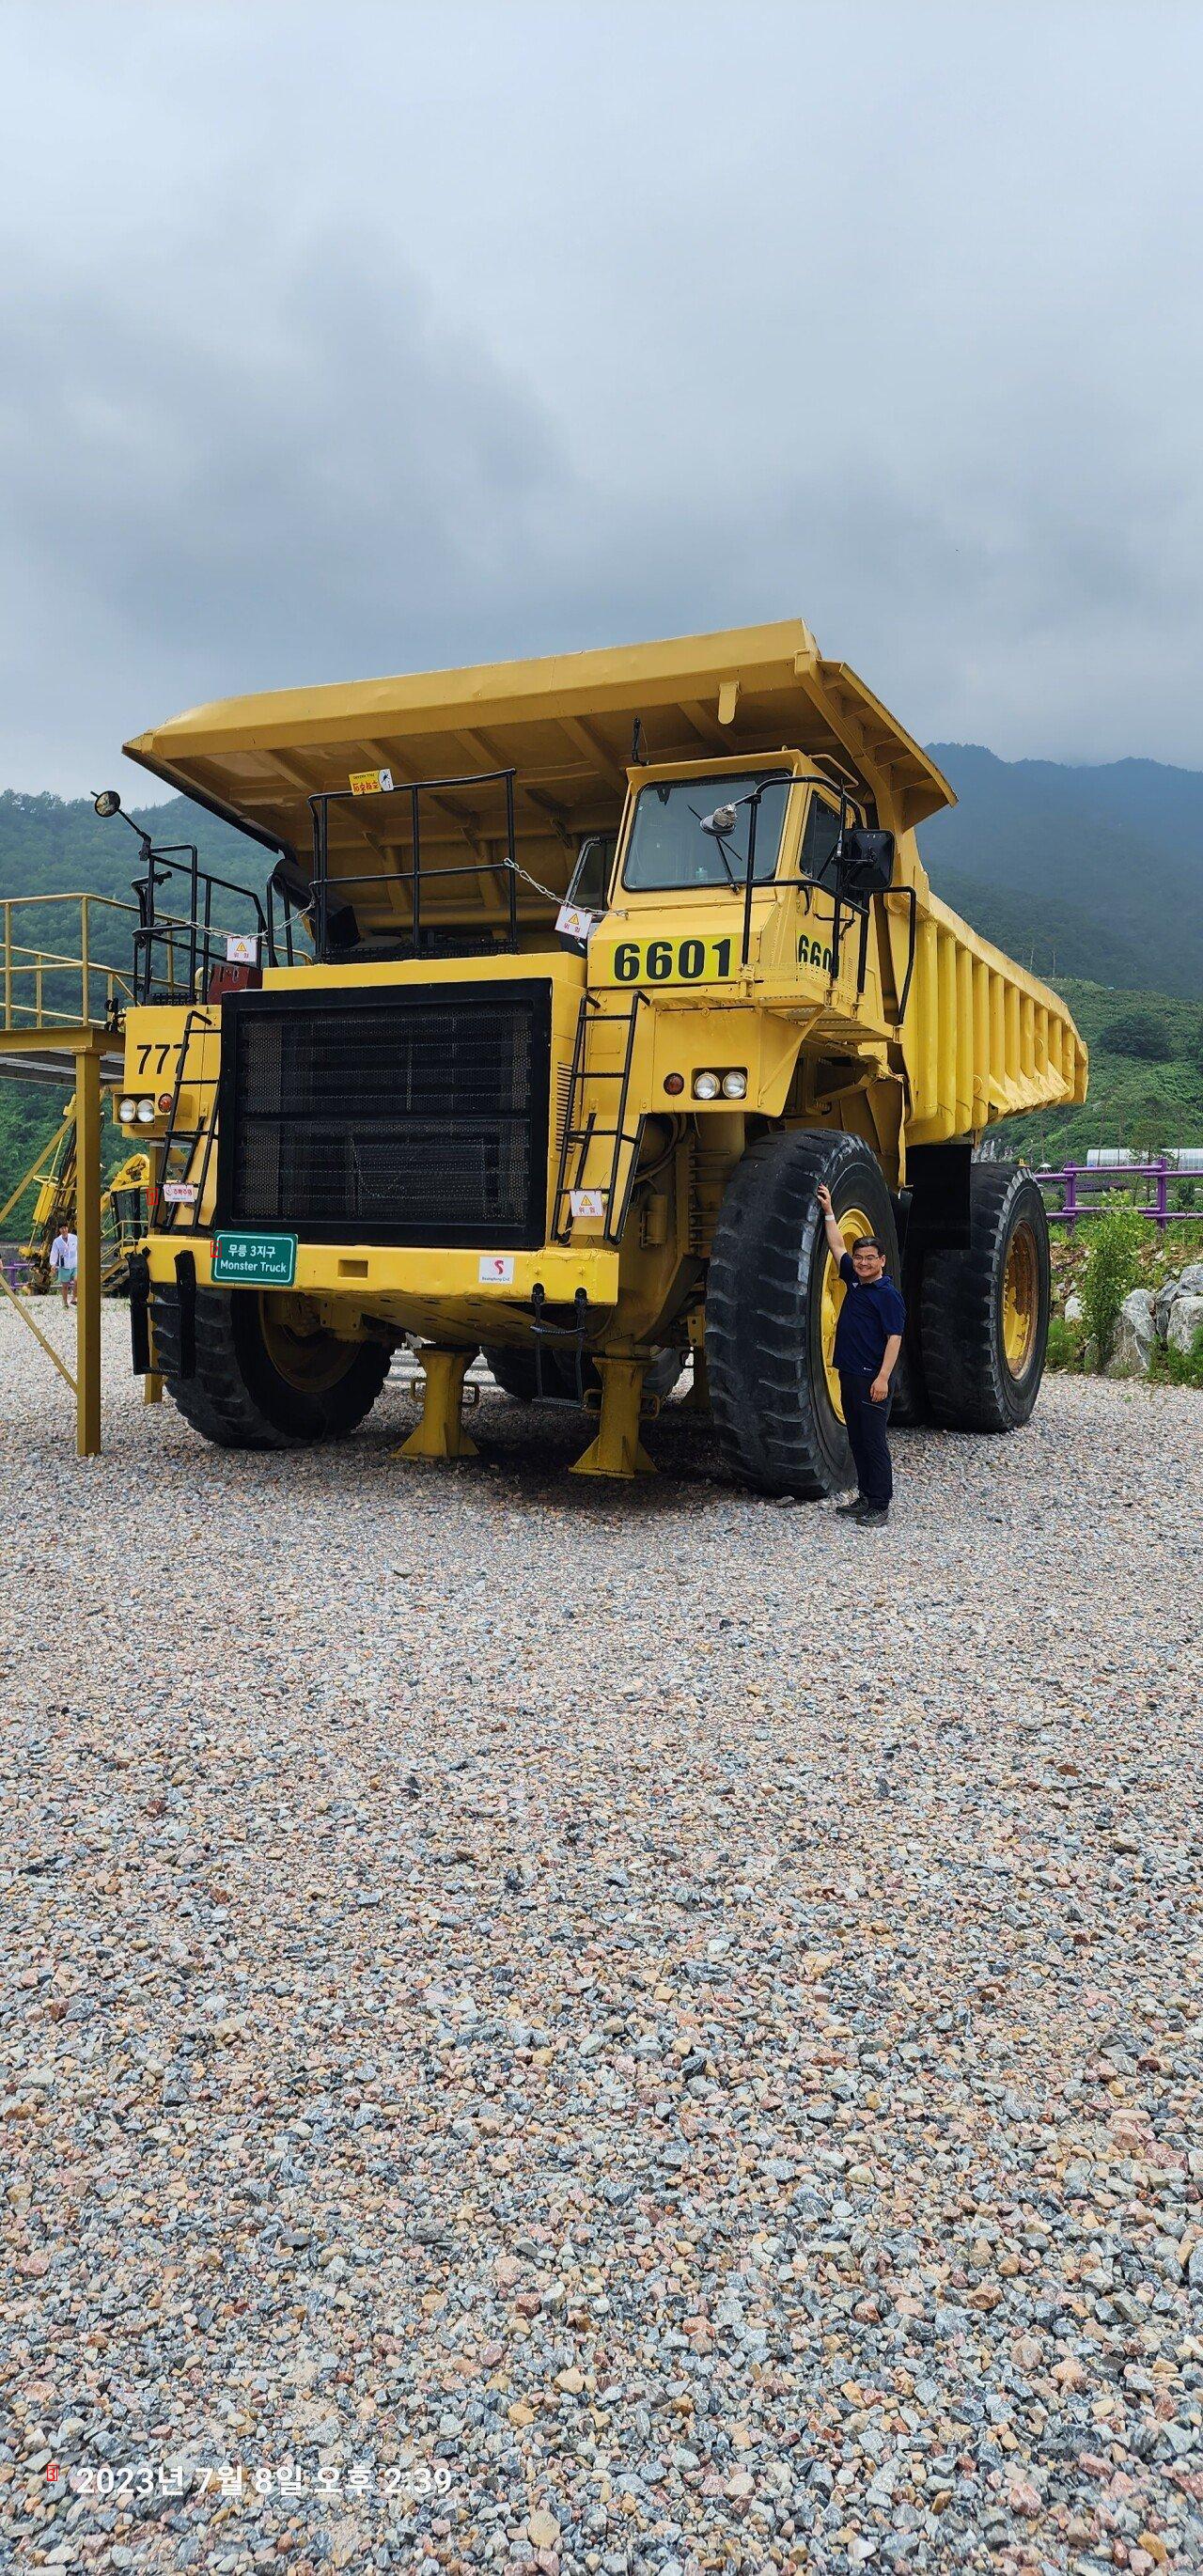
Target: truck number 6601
665	961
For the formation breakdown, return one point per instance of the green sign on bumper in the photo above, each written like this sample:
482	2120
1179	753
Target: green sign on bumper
243	1260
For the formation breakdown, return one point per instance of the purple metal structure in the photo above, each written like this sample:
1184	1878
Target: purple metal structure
1117	1176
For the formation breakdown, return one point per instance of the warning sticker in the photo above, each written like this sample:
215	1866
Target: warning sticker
573	922
587	1202
371	782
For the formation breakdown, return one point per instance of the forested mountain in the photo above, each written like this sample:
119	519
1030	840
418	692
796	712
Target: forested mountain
1078	871
50	847
1146	1078
1095	873
1093	876
1084	872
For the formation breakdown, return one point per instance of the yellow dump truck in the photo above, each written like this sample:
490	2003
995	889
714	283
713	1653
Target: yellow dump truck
569	982
53	1179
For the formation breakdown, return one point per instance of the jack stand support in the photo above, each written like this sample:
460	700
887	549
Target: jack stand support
441	1433
617	1450
698	1398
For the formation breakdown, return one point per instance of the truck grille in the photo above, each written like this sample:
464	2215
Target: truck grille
388	1116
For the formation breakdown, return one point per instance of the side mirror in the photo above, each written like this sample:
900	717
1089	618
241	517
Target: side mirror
868	861
108	802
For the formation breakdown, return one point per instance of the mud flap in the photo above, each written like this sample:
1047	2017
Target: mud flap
138	1275
185	1284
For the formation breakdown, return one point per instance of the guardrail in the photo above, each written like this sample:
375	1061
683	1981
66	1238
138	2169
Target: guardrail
38	985
1102	1184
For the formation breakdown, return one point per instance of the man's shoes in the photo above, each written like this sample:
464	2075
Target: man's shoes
869	1519
852	1510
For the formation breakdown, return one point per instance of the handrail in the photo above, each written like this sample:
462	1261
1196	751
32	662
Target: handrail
176	952
414	877
182	946
21	958
1106	1182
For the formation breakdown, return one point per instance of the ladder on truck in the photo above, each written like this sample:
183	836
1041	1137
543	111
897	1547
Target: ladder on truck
585	1142
178	1204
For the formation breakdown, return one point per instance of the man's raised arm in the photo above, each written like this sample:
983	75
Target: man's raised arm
835	1241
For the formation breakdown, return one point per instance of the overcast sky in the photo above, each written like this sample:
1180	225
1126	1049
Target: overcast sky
348	338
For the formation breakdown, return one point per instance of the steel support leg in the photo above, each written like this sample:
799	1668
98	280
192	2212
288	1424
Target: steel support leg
152	1383
441	1433
87	1227
617	1450
698	1398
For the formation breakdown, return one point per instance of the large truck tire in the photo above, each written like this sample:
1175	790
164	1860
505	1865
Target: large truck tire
772	1298
514	1371
260	1382
912	1404
985	1312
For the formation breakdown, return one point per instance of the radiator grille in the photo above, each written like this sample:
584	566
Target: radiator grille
388	1117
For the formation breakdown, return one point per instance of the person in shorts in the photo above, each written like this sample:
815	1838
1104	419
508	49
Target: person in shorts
64	1261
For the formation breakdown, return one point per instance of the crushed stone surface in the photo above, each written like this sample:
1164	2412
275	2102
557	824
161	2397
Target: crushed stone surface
553	2026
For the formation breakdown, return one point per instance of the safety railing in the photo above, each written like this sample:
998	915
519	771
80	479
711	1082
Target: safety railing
1104	1184
63	980
205	924
334	893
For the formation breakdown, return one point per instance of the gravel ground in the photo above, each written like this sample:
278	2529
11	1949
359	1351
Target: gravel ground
600	2029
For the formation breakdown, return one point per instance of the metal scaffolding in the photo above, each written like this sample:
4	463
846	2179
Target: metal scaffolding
60	1025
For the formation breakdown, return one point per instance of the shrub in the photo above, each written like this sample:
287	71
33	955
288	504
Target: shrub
1138	1033
1179	1368
1112	1270
1064	1344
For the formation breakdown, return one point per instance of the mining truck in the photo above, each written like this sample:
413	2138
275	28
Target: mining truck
555	989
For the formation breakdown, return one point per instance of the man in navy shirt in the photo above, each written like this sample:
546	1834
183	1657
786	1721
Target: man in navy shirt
868	1338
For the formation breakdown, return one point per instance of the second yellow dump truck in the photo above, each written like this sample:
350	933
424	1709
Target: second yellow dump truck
569	982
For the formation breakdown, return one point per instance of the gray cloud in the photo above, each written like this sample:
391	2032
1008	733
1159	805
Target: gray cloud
341	341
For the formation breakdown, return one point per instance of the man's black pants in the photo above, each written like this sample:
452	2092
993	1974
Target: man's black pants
866	1425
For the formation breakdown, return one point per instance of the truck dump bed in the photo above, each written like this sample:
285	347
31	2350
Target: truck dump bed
565	724
981	1038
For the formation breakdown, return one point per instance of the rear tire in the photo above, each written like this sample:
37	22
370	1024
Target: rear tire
514	1371
259	1382
770	1313
985	1312
912	1404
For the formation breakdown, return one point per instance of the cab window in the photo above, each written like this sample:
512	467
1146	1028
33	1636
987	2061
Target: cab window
591	875
670	848
821	834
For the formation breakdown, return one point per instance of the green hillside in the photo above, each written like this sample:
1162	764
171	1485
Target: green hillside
1092	876
1143	1101
1095	873
49	847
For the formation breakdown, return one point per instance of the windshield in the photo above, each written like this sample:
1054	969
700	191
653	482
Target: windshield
669	848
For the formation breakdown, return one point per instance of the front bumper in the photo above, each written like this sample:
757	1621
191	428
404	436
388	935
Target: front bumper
385	1276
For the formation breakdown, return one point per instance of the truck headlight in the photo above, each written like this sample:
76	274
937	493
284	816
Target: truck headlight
705	1086
127	1110
735	1086
146	1113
